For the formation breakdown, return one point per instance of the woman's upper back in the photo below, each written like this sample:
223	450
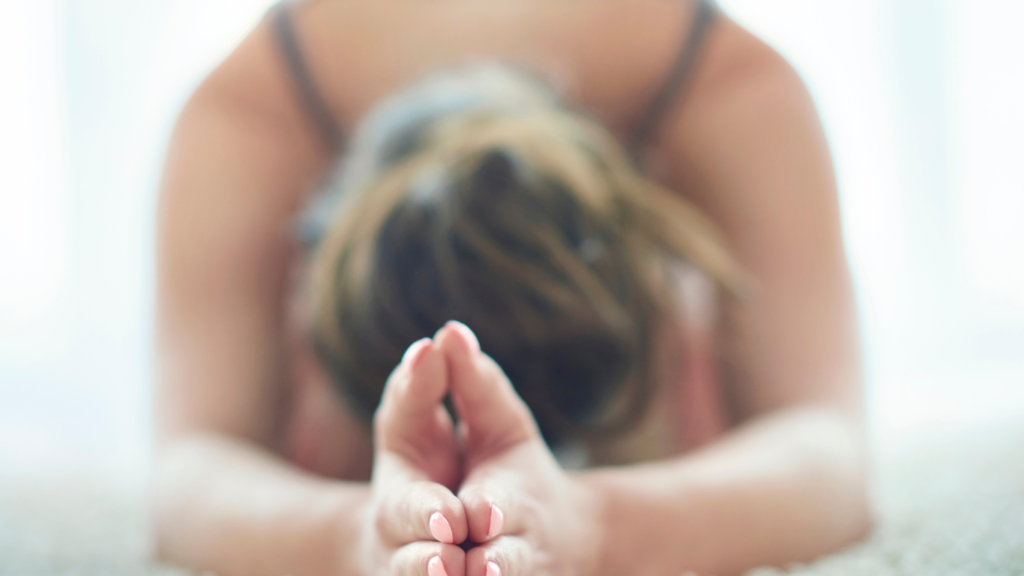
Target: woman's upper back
626	64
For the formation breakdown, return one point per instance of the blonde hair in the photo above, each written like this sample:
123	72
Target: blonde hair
531	225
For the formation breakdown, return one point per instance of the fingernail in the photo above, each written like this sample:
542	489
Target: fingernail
492	569
415	352
435	567
496	523
467	335
440	529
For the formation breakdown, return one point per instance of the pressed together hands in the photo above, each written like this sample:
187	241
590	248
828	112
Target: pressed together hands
488	499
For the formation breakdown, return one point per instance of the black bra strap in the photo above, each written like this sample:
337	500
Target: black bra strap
673	90
312	101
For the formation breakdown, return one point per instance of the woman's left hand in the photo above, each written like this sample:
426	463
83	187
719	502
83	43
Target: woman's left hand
528	517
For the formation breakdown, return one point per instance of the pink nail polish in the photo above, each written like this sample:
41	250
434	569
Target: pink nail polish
496	523
415	352
440	529
492	569
467	335
435	567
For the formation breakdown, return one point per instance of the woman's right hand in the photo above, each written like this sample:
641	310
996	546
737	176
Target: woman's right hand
413	522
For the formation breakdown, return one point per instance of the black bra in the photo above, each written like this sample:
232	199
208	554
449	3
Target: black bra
671	93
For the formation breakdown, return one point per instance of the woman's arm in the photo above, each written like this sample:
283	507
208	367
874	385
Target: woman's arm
237	166
781	489
789	484
241	158
749	150
228	506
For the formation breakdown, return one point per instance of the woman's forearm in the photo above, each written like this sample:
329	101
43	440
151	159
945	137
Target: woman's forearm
784	488
227	506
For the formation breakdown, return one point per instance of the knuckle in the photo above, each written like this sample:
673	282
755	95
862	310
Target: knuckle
381	521
476	500
410	560
429	496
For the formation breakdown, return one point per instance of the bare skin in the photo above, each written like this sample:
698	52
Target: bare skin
785	484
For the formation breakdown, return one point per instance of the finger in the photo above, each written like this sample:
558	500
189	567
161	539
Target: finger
420	511
505	556
494	501
412	395
428	559
484	397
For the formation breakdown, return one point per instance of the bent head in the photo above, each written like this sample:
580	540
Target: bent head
522	220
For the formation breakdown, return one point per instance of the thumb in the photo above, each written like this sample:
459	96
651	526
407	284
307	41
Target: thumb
493	416
411	421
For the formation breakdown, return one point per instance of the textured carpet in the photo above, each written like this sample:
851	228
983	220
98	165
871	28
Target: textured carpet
950	502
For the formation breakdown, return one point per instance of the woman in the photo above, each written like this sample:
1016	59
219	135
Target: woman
270	368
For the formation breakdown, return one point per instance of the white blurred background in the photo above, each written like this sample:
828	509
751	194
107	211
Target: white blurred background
923	103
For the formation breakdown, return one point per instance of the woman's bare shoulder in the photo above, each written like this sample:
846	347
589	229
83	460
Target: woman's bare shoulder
739	71
745	100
